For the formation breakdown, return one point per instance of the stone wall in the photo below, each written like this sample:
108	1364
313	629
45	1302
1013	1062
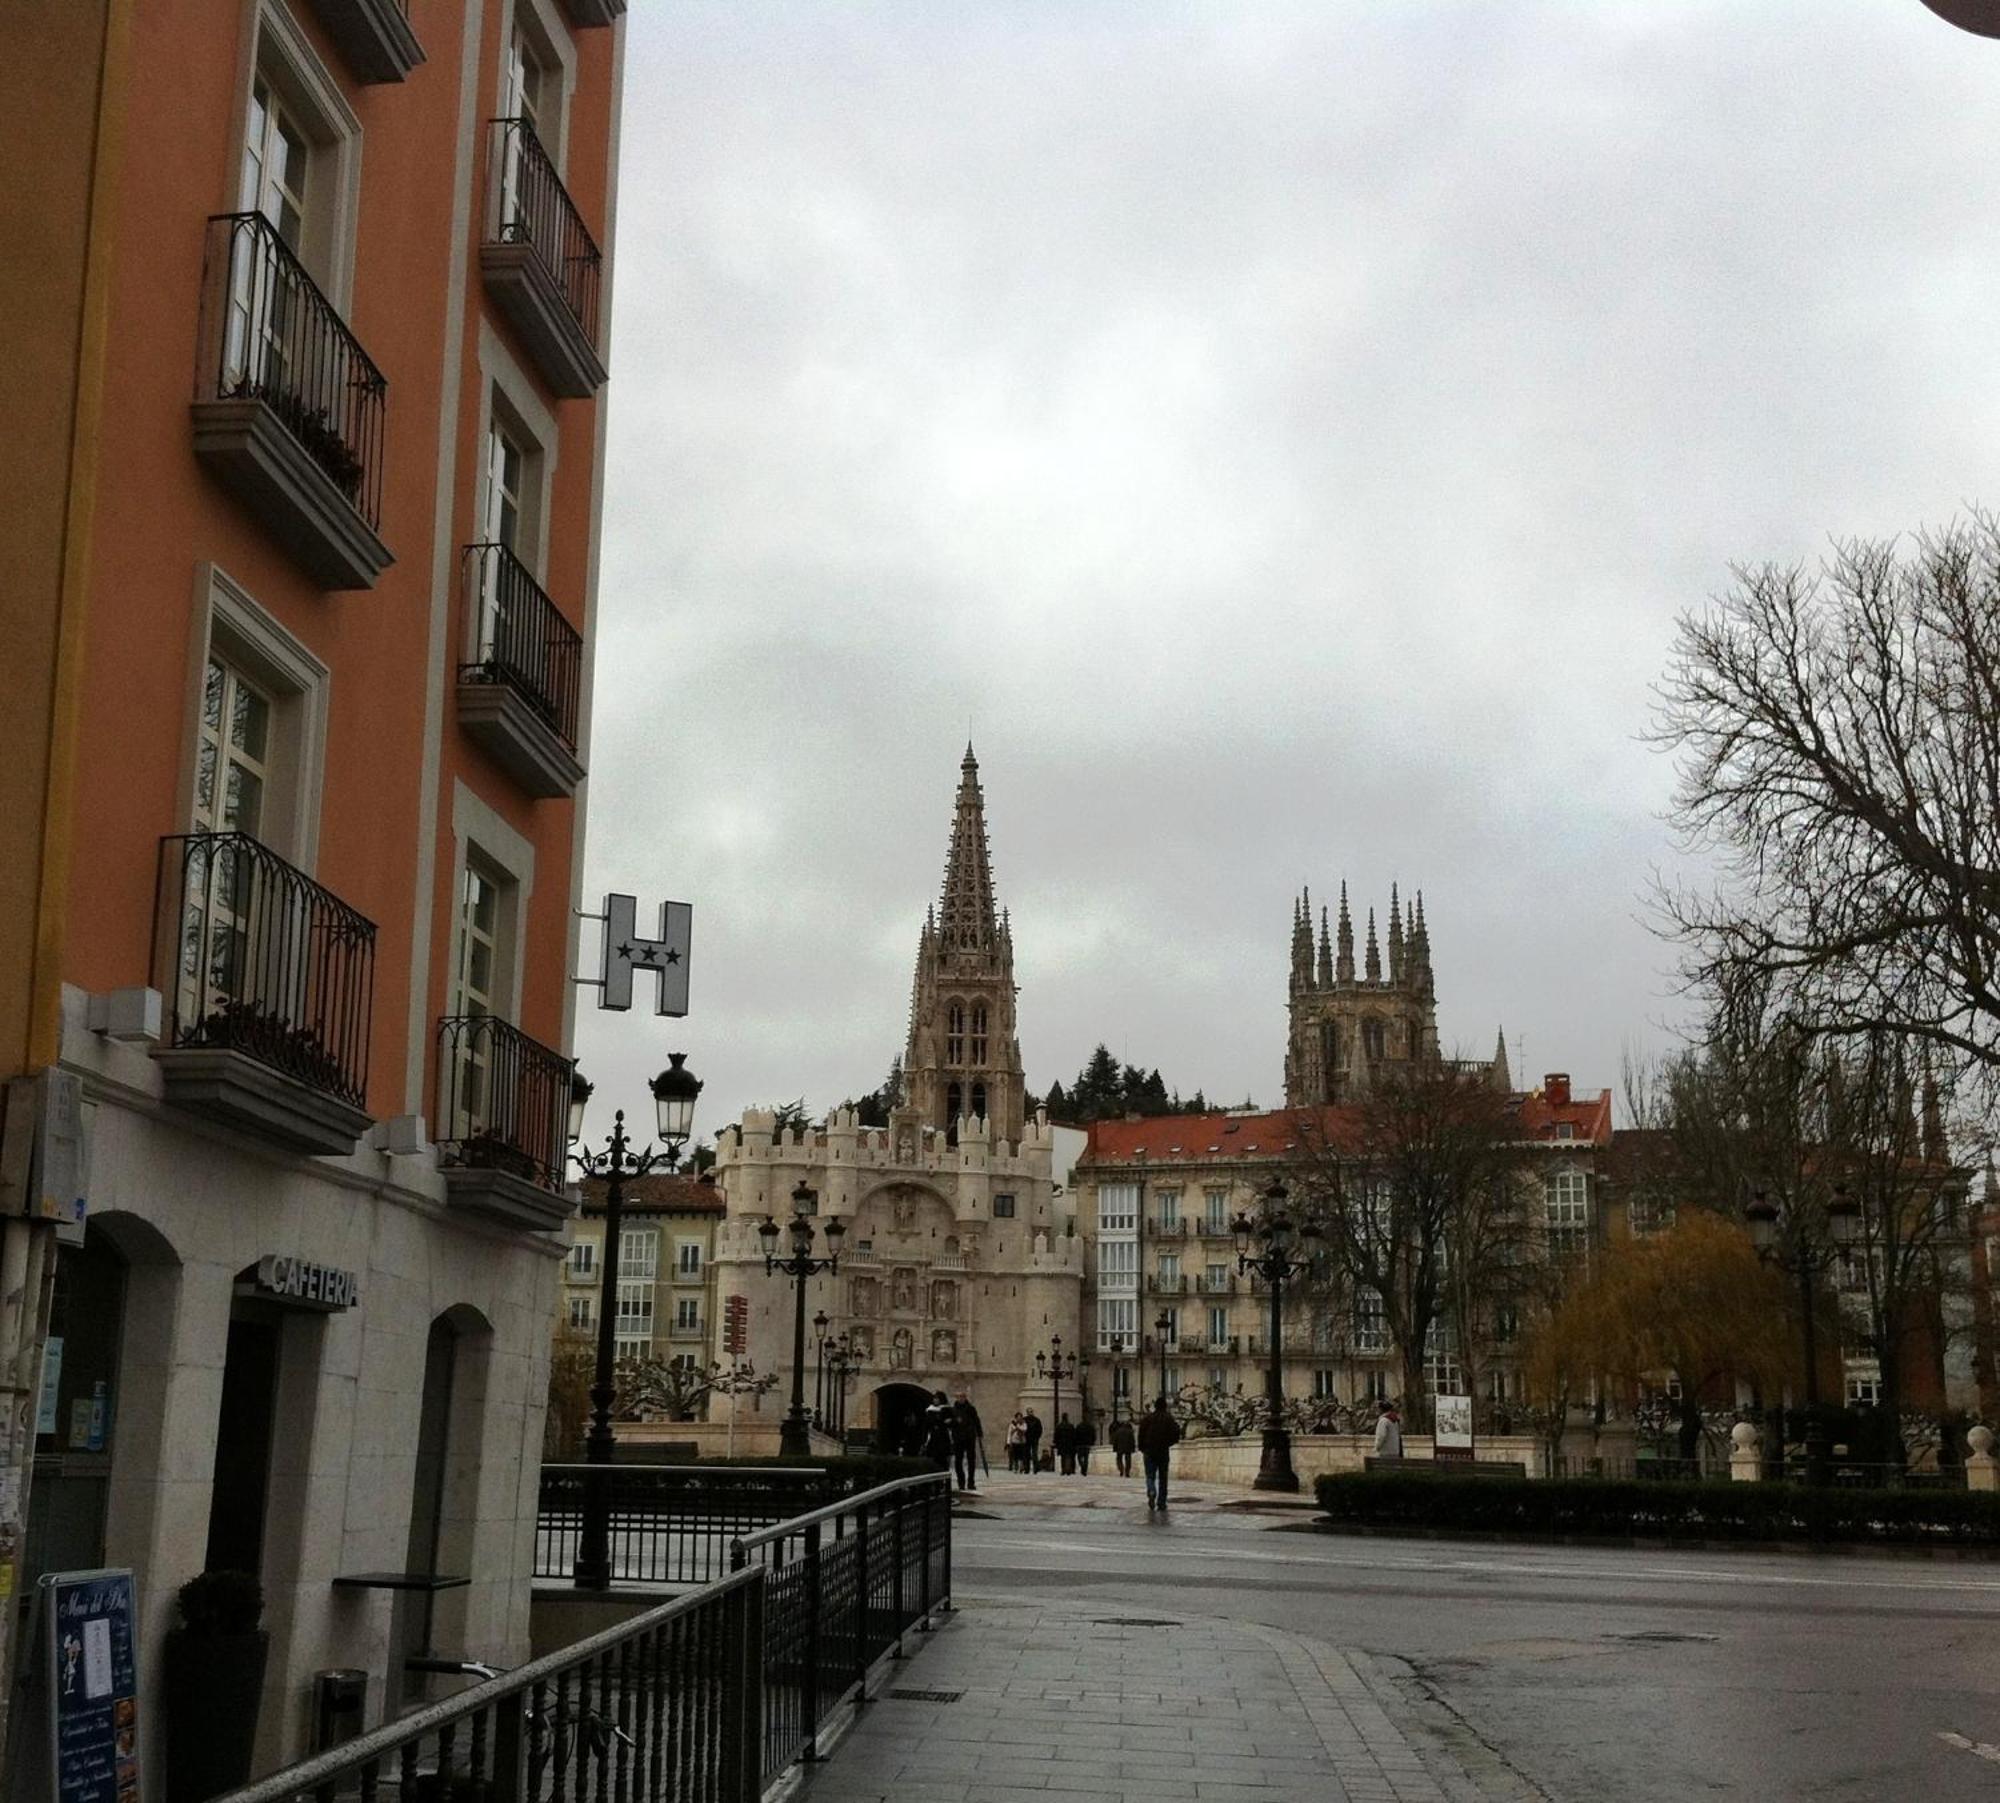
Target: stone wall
1233	1458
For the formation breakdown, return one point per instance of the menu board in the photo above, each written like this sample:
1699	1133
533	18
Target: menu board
93	1686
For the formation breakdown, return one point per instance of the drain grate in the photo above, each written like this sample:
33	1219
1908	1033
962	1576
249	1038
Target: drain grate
1665	1637
926	1696
1132	1621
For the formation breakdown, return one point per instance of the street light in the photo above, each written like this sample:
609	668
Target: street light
1115	1345
795	1438
822	1344
1055	1365
841	1364
1285	1251
674	1092
1791	1242
1163	1325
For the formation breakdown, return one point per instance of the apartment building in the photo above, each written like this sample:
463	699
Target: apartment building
308	331
666	1277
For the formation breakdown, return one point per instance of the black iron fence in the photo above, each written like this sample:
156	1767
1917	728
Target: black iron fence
505	1105
671	1524
844	1584
1669	1470
257	957
520	637
269	334
705	1698
532	207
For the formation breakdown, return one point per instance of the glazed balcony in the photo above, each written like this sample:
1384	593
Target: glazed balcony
519	696
373	37
542	268
288	409
270	980
502	1118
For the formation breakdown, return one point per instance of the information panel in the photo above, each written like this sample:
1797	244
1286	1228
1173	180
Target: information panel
93	1686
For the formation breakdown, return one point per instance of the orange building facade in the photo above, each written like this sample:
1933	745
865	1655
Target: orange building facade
313	324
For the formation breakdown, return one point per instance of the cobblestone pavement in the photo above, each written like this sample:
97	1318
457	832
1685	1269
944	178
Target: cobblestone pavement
1056	1701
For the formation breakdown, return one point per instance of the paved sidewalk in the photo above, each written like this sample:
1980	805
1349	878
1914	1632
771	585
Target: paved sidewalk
1056	1702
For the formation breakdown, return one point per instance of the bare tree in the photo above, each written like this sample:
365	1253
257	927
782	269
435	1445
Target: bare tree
1838	738
1412	1188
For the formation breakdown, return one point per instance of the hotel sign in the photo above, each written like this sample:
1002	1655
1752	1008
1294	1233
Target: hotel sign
299	1283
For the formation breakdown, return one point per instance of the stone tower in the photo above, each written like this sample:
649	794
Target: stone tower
963	1059
1345	1028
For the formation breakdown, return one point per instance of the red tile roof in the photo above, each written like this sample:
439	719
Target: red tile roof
658	1194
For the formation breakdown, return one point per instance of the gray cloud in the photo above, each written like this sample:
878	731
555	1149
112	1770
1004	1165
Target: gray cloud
1280	436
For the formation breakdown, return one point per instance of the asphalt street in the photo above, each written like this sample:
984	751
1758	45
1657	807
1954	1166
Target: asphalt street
1576	1674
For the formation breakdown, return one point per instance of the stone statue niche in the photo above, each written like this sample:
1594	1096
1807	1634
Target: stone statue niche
903	1290
944	1299
861	1340
902	1345
944	1347
866	1296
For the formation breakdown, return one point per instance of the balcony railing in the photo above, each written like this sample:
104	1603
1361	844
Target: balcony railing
506	1100
1217	1286
269	334
553	301
260	959
1170	1230
520	638
1167	1286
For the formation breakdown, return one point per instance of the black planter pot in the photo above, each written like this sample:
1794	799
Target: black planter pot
210	1687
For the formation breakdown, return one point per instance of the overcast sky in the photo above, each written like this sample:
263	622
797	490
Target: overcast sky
1281	436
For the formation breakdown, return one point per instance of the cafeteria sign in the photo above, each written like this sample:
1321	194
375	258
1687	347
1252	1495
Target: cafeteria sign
303	1284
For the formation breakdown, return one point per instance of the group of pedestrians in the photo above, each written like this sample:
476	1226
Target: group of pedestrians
954	1439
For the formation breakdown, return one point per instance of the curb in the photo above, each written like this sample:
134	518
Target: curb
1653	1543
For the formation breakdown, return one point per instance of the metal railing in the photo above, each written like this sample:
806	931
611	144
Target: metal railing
670	1524
844	1585
667	1704
256	957
269	334
1170	1230
1167	1286
505	1103
520	638
532	207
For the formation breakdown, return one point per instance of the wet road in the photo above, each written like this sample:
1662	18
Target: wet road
1577	1674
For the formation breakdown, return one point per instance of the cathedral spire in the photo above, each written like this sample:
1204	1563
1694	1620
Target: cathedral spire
1325	971
1502	1078
1343	966
1395	935
1302	939
1373	969
966	912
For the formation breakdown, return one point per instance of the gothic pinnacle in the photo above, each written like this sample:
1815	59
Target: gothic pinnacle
1343	967
1325	971
1373	968
1395	935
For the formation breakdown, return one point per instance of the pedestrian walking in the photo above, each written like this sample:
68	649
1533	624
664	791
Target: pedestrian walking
1034	1427
1158	1434
1017	1442
1123	1441
1086	1438
966	1434
1388	1431
1065	1438
937	1431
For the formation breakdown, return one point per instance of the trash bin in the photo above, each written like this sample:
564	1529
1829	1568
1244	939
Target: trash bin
340	1706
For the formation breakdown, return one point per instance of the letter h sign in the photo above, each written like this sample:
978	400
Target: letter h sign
665	955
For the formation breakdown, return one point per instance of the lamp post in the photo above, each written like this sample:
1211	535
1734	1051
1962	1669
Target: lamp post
1116	1348
674	1092
795	1438
1055	1365
1284	1252
1791	1241
840	1366
822	1343
1163	1325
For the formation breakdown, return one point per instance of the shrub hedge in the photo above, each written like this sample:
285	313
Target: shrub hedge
1655	1509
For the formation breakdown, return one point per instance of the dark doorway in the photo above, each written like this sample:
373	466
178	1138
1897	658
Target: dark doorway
243	1430
76	1412
899	1413
415	1611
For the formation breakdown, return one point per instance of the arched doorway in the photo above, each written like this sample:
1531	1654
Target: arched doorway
899	1410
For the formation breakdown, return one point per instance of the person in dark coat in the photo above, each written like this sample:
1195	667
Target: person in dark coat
1065	1438
1123	1442
1157	1436
937	1431
1034	1441
1086	1438
966	1433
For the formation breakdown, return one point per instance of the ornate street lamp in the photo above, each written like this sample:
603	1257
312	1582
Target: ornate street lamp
1284	1251
822	1345
795	1437
1163	1325
841	1364
674	1092
1792	1241
1055	1365
1115	1345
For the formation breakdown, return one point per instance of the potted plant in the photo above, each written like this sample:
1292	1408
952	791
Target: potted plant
211	1684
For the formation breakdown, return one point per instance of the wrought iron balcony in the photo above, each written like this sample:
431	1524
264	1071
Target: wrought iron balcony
502	1115
519	693
289	410
1167	1286
270	981
1175	1229
541	265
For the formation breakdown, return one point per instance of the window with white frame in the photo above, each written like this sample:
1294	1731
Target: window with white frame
484	915
583	1258
1218	1325
1864	1382
1172	1335
687	1314
1216	1278
1215	1210
1375	1385
1323	1390
582	1312
639	1255
687	1260
1218	1378
1117	1208
1443	1374
1369	1334
633	1329
1170	1210
1118	1265
1170	1268
1567	1199
1117	1323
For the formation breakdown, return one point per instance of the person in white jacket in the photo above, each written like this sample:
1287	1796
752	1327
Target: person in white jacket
1388	1432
